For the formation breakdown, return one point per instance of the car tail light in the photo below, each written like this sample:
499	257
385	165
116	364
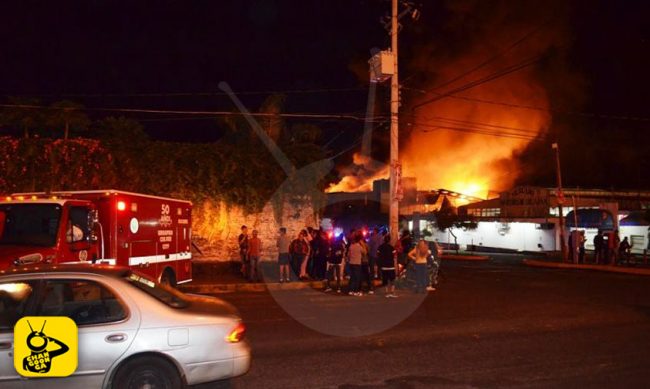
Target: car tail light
237	334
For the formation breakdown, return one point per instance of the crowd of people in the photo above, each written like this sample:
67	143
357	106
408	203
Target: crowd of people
363	259
610	249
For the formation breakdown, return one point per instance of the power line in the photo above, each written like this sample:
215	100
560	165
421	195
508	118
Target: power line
533	108
498	74
480	124
194	94
203	113
474	130
493	58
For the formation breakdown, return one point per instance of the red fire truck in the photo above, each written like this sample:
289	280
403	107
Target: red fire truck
148	233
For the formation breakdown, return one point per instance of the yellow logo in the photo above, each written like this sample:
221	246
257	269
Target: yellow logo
45	346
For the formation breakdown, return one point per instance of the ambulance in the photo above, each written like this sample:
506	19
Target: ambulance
147	233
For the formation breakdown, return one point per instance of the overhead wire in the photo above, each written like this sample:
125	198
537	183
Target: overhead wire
499	54
194	94
493	76
203	113
534	108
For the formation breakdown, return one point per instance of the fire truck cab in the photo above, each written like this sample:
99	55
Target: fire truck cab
147	233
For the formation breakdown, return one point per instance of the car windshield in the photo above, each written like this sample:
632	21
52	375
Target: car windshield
29	224
160	292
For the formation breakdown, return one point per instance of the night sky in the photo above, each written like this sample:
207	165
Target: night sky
173	54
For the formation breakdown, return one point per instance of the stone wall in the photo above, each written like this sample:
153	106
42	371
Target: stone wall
216	226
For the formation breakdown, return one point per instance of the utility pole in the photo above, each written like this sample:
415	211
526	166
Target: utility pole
560	201
395	168
383	65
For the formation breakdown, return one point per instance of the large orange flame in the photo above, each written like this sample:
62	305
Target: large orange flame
468	145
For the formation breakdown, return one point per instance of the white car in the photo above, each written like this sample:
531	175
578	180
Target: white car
133	332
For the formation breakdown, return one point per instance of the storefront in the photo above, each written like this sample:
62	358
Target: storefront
526	219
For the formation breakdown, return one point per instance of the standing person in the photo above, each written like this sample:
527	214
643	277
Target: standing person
614	243
598	247
334	265
624	251
406	242
254	253
283	244
581	247
387	261
355	256
321	254
366	273
376	239
312	236
419	255
399	253
349	239
242	240
299	255
434	266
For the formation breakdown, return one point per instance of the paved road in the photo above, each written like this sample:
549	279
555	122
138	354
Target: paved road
496	324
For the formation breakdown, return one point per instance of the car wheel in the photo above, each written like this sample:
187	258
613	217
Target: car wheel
168	278
147	373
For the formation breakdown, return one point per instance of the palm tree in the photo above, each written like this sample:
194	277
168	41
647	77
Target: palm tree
69	115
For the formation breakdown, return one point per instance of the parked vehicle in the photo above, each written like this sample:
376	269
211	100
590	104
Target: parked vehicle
133	332
148	233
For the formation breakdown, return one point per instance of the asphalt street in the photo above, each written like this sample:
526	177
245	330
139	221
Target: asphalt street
489	325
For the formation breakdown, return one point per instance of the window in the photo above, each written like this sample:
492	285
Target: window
85	302
30	224
77	229
13	301
168	296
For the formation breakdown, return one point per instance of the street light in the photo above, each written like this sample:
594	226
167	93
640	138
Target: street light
560	200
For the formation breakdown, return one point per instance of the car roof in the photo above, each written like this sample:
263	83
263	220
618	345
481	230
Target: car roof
88	268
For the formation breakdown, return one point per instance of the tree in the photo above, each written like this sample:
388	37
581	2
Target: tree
273	125
67	115
447	217
23	115
130	149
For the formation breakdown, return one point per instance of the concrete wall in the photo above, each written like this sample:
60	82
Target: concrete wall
215	227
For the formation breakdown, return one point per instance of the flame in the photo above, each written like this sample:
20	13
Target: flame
359	176
469	142
470	146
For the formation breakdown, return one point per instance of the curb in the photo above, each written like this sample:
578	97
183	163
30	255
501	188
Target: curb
606	268
250	287
459	257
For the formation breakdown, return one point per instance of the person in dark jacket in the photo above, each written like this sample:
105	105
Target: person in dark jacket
321	247
335	264
387	262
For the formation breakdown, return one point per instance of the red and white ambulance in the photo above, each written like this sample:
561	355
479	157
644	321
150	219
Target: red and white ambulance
148	233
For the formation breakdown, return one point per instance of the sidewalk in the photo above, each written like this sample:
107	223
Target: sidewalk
464	257
212	276
645	271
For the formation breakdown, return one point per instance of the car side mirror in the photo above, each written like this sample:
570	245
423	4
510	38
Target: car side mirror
93	220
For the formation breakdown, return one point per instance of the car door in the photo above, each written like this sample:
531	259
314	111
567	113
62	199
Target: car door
106	322
15	298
